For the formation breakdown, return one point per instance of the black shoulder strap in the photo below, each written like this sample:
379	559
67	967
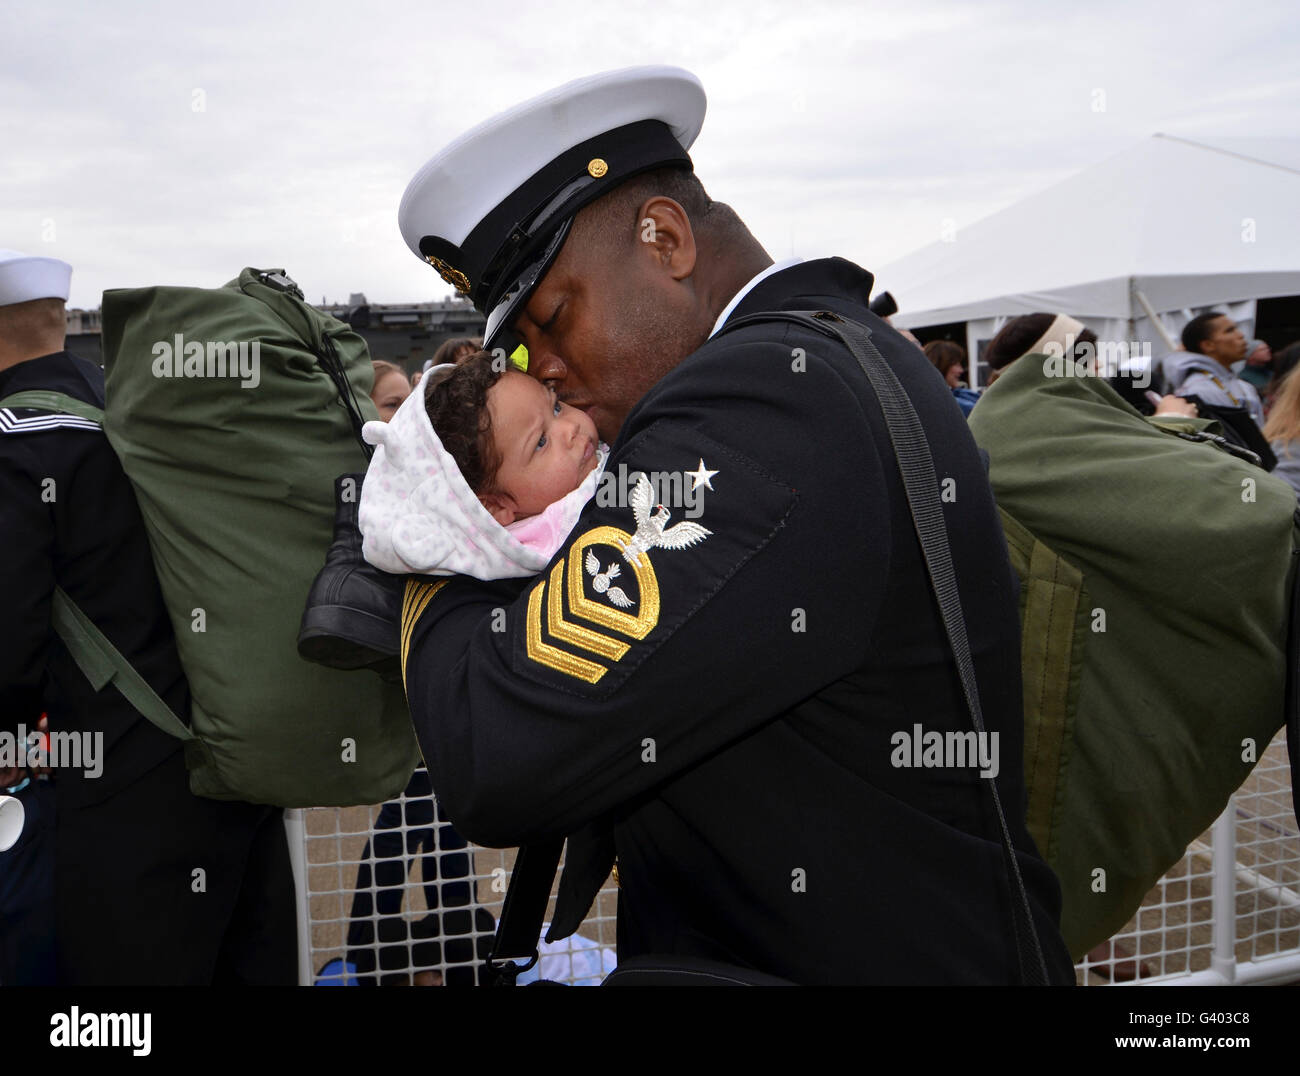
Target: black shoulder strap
530	883
916	467
524	910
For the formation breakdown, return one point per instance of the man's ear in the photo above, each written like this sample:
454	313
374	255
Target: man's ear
665	230
500	506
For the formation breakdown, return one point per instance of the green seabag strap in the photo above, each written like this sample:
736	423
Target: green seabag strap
54	401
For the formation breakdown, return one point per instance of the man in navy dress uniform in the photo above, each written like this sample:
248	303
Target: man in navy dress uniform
731	728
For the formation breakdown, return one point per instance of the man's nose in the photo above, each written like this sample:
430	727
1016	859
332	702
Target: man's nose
547	367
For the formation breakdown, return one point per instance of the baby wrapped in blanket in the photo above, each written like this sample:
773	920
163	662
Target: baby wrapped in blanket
481	472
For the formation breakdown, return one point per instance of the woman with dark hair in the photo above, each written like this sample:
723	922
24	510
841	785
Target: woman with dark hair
450	352
950	360
455	349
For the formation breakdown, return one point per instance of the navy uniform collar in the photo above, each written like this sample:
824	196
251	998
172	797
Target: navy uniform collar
61	371
808	286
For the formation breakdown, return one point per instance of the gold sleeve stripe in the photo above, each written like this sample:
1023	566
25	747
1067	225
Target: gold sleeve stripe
409	597
417	598
550	656
414	591
575	633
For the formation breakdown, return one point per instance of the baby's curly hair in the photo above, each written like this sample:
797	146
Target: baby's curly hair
457	408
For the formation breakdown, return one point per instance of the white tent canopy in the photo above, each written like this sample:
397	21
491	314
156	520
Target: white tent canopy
1182	224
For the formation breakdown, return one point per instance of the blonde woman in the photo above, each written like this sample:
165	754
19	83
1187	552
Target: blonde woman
1282	430
390	388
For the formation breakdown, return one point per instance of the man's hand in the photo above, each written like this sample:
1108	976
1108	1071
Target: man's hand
1176	405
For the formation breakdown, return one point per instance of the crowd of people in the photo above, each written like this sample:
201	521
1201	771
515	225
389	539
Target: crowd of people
1216	366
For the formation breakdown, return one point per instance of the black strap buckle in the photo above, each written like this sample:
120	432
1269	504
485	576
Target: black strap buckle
507	971
280	281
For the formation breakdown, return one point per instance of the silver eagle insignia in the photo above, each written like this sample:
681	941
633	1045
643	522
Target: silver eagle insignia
652	530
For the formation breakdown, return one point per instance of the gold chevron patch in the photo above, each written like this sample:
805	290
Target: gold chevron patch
414	602
591	623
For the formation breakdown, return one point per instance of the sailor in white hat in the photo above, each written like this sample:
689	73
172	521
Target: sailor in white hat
33	291
69	519
33	327
26	277
726	729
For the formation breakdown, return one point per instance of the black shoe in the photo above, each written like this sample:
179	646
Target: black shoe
354	610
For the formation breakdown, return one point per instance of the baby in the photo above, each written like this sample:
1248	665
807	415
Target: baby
481	472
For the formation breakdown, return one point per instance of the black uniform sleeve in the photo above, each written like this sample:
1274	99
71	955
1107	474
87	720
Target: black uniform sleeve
26	581
651	642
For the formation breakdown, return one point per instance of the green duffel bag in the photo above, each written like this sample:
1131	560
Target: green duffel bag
233	410
1156	574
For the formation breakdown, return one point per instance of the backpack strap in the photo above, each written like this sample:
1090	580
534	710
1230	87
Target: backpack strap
916	468
98	659
57	402
1054	618
102	663
523	911
1213	377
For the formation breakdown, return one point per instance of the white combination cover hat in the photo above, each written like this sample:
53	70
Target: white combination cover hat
491	210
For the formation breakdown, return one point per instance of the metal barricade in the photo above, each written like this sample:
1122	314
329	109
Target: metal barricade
380	887
1228	912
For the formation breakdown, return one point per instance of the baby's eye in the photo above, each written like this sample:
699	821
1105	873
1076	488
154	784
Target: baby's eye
541	442
556	408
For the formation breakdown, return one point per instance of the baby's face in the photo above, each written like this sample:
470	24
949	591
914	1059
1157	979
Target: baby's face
546	447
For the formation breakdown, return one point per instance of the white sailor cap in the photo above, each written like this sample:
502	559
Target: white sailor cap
492	209
24	277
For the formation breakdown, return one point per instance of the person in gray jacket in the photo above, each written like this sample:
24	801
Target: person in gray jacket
1211	344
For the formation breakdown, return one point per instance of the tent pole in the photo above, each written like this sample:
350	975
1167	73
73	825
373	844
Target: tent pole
1155	321
972	360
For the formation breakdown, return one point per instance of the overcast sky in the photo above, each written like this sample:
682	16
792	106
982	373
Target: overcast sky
175	143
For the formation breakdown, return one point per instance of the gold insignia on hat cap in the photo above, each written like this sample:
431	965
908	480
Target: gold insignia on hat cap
450	274
597	167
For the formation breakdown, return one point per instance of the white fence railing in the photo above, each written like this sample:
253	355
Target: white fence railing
1229	910
391	891
394	892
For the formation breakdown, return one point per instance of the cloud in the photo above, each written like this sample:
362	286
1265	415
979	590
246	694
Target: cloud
163	145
